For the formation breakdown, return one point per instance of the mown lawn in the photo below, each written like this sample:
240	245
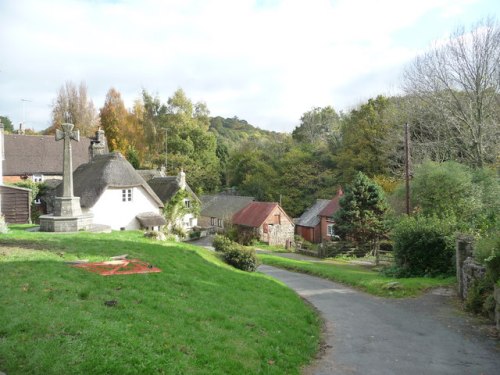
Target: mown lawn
198	316
359	277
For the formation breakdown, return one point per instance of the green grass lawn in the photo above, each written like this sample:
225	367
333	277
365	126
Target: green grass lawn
360	277
198	316
273	248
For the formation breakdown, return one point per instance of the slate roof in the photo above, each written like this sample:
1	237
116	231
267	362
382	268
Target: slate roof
40	154
311	218
148	174
254	214
223	206
166	187
333	206
109	170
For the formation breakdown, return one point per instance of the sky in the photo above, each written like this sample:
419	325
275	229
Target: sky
264	61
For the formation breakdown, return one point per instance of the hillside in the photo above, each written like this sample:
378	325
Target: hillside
234	131
196	316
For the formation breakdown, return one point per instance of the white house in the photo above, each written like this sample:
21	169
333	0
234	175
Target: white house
112	190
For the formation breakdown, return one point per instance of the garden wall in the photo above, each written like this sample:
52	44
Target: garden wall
468	271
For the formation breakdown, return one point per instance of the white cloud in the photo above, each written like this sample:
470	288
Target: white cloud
266	62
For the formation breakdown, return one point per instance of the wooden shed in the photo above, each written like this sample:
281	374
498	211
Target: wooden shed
16	204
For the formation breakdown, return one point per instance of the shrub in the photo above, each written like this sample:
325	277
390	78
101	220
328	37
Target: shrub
487	252
222	243
241	258
479	297
424	246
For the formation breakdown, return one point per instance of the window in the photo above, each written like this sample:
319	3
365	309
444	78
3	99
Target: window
187	203
213	221
37	178
126	195
219	223
330	231
38	201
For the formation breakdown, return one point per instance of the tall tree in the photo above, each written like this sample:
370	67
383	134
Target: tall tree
362	212
113	118
74	106
457	88
318	124
371	142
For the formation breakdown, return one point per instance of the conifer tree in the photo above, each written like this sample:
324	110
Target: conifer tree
361	217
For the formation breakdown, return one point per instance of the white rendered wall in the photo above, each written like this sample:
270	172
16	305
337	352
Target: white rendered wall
111	210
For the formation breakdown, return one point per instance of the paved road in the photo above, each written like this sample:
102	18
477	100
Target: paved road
368	335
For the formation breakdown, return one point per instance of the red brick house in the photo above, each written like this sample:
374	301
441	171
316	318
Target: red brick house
316	223
267	221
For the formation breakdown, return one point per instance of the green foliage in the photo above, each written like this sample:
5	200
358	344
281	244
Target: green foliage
7	124
371	142
222	243
240	257
176	209
319	124
424	246
133	157
487	252
362	213
479	297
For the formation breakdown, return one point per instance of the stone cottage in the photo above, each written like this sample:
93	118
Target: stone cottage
267	221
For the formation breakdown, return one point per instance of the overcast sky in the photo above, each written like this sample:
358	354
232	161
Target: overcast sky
265	61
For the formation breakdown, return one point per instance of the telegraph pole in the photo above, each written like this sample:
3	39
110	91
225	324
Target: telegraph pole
407	168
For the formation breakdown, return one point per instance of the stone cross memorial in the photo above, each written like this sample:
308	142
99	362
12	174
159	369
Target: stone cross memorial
67	216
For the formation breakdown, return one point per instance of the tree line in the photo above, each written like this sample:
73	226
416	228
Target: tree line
450	99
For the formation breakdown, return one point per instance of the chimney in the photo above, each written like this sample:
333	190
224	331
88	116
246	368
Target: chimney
98	144
181	179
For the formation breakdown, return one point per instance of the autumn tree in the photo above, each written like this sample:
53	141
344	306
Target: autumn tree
456	86
74	106
113	119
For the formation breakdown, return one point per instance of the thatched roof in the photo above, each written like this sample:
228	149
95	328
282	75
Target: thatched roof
35	154
166	187
109	170
148	174
151	219
223	206
310	218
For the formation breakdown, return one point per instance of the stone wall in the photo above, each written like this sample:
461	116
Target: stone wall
468	271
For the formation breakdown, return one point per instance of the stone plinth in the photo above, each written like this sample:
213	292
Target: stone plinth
67	206
51	223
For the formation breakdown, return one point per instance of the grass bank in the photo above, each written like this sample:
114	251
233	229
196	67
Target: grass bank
198	316
360	277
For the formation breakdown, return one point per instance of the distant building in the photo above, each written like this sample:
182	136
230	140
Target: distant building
217	210
316	224
267	221
40	157
167	187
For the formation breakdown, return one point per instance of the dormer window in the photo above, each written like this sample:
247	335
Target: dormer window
187	203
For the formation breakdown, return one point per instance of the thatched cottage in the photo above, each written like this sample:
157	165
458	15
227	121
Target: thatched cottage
117	196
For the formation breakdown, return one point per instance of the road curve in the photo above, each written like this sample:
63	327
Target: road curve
370	335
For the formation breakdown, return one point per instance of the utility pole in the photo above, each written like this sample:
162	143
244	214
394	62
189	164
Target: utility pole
407	168
24	111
